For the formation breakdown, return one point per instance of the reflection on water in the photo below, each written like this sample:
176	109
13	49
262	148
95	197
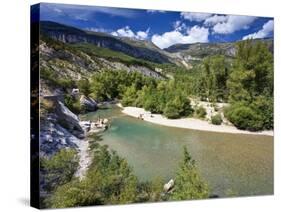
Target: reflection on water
242	164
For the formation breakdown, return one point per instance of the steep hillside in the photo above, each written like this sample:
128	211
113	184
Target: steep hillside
68	34
61	64
197	51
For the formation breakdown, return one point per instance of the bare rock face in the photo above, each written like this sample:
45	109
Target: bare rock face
88	103
69	120
54	137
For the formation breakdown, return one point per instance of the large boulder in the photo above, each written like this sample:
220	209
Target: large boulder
168	186
69	120
88	103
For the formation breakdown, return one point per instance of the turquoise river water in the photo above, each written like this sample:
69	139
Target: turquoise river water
230	163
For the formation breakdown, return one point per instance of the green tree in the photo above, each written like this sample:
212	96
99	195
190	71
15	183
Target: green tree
251	87
84	86
213	78
129	97
109	180
188	182
59	169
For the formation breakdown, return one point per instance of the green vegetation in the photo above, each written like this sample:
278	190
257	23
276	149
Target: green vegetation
200	112
110	180
244	81
216	119
73	104
134	89
54	80
212	82
188	183
59	169
84	87
251	88
95	51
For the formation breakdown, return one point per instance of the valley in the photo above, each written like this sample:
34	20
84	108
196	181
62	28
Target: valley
122	118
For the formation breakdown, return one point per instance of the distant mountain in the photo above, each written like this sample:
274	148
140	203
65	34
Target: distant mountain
68	34
201	50
70	53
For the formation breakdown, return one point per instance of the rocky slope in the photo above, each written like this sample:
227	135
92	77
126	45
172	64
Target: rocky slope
197	51
61	63
69	34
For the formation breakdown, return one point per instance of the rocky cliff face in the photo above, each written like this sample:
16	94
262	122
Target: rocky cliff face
60	129
69	34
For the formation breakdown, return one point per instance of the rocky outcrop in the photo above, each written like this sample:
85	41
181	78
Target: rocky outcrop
88	103
69	120
54	137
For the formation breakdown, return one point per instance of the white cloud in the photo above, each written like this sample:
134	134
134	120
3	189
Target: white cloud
193	35
179	26
198	17
142	35
127	32
213	20
232	23
267	28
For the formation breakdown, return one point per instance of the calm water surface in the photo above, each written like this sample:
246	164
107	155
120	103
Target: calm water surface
230	163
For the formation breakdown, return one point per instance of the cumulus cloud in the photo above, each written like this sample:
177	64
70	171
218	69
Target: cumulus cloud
215	19
267	28
192	35
127	32
179	26
231	23
198	17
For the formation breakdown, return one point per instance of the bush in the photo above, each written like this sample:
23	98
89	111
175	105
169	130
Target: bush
84	87
54	80
200	112
73	104
216	119
59	169
244	117
171	111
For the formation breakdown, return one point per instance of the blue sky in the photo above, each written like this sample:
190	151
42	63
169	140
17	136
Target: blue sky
163	28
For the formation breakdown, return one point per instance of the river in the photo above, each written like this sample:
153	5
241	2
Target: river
230	163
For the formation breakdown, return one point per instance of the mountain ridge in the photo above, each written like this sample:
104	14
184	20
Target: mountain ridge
69	34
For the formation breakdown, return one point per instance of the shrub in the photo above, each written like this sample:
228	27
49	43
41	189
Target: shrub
244	117
73	104
84	86
200	112
59	169
216	119
171	111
